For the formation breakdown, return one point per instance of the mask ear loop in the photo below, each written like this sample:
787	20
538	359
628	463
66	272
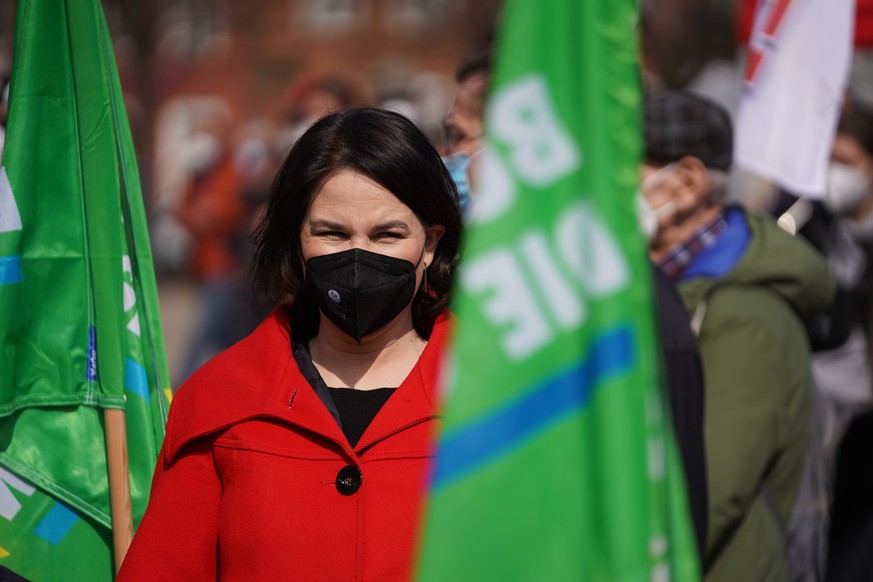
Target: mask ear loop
423	287
479	151
655	177
420	258
424	280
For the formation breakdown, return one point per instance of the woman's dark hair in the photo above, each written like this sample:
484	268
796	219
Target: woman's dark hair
390	150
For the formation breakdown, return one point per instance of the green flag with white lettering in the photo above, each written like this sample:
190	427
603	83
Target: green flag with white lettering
555	461
80	328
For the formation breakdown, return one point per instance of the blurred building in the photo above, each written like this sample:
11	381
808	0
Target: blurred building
250	54
252	51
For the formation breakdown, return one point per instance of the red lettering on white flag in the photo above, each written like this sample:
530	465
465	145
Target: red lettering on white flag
776	11
796	72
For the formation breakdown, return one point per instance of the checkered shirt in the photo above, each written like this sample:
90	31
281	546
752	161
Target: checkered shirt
680	256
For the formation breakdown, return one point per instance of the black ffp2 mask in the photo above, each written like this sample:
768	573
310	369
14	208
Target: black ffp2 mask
360	291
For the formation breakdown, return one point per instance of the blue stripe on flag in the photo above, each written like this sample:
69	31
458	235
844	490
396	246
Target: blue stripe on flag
91	368
56	524
10	270
492	436
135	378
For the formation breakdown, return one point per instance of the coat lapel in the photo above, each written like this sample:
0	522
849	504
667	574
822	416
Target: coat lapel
259	378
415	400
256	378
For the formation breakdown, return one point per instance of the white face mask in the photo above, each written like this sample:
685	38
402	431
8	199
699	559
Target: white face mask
203	151
862	229
650	219
848	186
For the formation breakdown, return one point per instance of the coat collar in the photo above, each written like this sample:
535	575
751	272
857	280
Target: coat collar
415	400
258	378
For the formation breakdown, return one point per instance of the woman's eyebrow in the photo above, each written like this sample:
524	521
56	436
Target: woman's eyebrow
392	224
322	223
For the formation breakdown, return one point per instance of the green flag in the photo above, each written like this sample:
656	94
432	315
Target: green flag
80	329
554	460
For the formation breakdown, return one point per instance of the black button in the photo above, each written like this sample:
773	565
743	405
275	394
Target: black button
348	480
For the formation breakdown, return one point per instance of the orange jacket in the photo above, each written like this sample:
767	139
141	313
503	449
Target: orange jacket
216	216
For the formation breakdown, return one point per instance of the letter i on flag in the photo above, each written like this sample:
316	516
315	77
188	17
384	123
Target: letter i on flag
554	461
80	329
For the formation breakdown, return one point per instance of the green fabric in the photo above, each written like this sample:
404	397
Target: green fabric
758	383
80	328
553	461
38	545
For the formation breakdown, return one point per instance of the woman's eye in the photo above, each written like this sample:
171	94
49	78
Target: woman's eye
333	234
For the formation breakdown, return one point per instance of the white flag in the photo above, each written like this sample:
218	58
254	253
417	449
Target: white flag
796	72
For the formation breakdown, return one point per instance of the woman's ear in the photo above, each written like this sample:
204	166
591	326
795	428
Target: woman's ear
693	190
432	236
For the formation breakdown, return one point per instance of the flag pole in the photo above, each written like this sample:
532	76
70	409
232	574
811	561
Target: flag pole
119	483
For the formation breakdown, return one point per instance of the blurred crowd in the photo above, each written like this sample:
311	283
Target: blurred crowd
784	423
213	173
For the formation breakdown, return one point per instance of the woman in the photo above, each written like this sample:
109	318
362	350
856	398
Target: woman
301	452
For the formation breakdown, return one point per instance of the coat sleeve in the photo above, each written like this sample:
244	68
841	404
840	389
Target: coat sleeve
751	401
178	536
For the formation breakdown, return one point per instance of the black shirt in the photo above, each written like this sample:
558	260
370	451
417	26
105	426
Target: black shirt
358	408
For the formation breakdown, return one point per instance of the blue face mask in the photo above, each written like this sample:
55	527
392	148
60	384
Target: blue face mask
458	166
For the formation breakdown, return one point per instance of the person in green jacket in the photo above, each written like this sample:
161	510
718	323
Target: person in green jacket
748	287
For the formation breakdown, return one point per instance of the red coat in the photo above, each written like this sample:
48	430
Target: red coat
246	484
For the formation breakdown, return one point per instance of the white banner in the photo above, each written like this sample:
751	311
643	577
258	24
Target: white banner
796	72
